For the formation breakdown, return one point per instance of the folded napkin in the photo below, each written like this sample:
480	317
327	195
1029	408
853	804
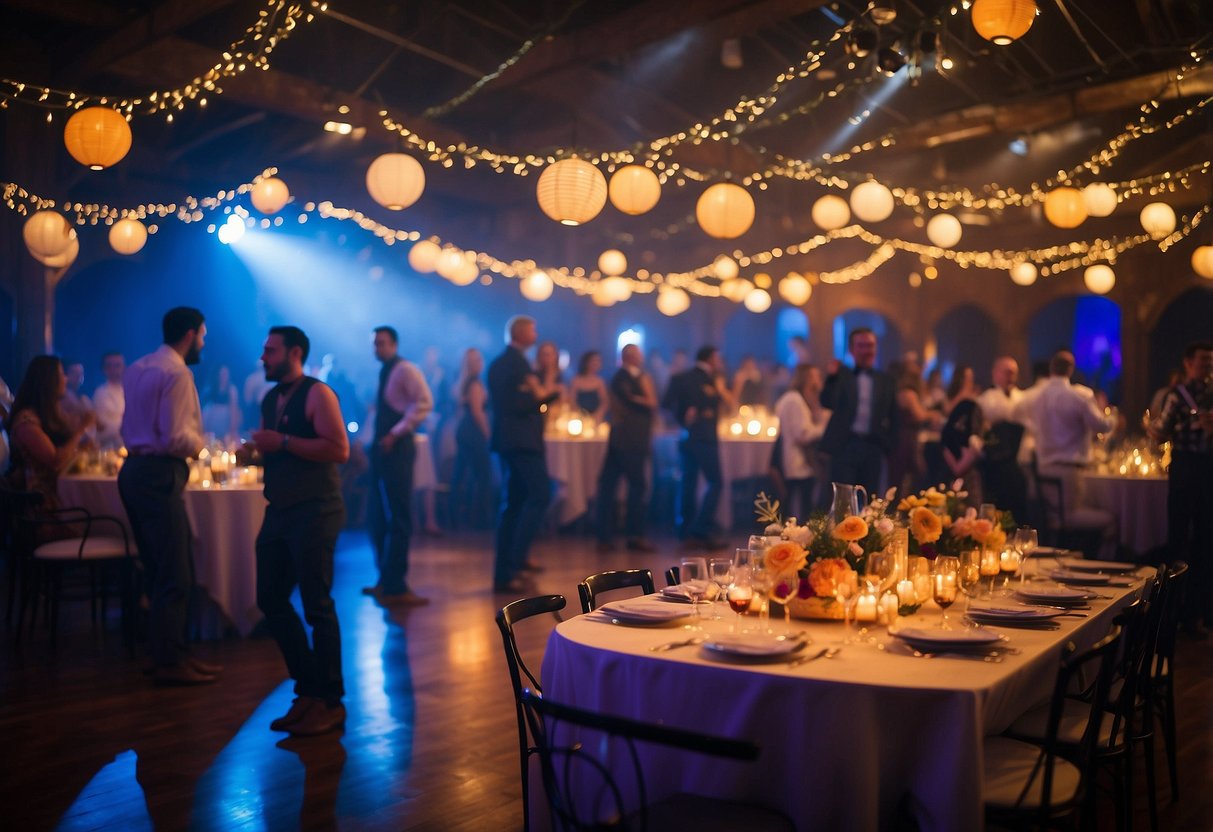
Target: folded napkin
1003	611
750	646
648	608
682	592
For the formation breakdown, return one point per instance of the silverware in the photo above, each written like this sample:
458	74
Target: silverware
673	645
989	657
824	653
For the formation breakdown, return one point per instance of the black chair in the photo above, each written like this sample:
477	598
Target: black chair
673	576
507	617
1046	782
594	585
1162	673
566	756
13	542
1047	512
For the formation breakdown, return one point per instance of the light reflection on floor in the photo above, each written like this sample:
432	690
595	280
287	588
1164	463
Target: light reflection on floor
116	789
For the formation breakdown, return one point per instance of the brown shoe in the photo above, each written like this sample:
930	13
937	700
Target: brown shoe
180	674
318	719
299	709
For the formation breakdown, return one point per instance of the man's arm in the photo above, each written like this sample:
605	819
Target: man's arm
331	443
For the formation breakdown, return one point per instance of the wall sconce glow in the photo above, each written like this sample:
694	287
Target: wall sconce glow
339	127
232	230
631	335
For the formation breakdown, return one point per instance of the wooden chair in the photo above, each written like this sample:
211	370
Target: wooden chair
594	585
507	617
1162	672
673	576
1047	512
569	759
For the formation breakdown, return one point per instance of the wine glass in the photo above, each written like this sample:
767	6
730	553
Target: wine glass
969	576
757	543
742	558
761	581
694	574
739	594
782	590
720	570
944	580
845	590
1025	541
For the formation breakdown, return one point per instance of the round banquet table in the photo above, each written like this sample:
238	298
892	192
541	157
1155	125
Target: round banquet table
574	463
844	740
1138	503
741	457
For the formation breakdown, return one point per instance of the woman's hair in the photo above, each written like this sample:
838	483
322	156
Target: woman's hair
39	392
466	377
583	365
958	380
799	376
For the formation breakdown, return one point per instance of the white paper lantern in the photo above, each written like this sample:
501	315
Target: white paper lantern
736	289
872	202
1023	274
1202	261
725	211
423	256
1100	199
944	230
634	189
536	286
571	191
1099	279
128	236
450	261
672	301
795	289
619	288
1065	207
1158	219
831	212
601	296
47	233
269	195
467	272
612	262
725	267
395	181
758	301
62	261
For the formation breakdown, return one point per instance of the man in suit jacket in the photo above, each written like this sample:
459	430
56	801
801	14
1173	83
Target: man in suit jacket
517	397
695	398
633	402
860	433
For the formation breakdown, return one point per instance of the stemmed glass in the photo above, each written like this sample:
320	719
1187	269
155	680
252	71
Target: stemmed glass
969	575
694	574
1025	541
721	572
944	584
739	594
782	590
880	574
846	592
761	581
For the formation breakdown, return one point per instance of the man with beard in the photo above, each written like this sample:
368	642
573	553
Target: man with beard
302	440
162	428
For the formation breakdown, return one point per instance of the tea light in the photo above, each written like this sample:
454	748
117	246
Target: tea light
753	427
1010	560
991	562
922	588
575	427
735	428
906	596
865	607
889	604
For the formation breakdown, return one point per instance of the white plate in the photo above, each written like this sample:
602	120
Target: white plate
1055	594
1064	576
681	594
757	646
647	610
1012	613
1080	565
1051	552
973	637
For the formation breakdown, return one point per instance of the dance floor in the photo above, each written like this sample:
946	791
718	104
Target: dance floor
430	742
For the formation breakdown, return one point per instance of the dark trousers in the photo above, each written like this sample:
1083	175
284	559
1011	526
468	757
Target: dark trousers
472	480
527	493
296	546
390	512
1190	527
799	502
699	457
151	489
631	466
857	462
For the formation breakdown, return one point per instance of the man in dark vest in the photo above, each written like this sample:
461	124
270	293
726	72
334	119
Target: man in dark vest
860	432
633	402
403	403
302	440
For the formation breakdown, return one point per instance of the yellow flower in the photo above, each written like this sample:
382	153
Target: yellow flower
784	556
996	539
934	498
925	525
853	528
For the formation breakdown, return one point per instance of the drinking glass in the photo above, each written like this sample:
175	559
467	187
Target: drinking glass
694	574
845	592
880	572
944	580
739	594
991	566
1010	561
969	576
757	543
742	558
782	590
1025	541
761	581
721	572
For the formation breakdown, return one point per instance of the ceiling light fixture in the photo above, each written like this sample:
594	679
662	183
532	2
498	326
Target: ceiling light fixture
890	61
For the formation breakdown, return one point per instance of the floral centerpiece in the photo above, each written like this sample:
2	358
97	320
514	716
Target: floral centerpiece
940	524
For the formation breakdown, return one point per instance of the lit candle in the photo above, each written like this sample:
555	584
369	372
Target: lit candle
991	562
906	596
889	604
865	607
922	587
735	428
574	427
1009	560
753	427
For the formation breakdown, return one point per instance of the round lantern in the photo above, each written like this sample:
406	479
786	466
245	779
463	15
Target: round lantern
47	234
831	212
467	272
395	181
571	191
423	256
1158	219
1002	21
536	286
758	301
1099	198
601	296
672	301
450	261
725	267
872	202
634	189
944	230
1065	207
795	289
612	262
269	195
1099	279
725	211
1023	274
128	236
97	137
62	261
1202	261
619	288
736	289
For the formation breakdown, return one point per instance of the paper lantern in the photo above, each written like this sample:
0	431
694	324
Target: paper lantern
1202	261
1023	274
269	195
795	289
736	289
725	211
1100	199
1158	219
47	234
128	236
1065	207
62	261
672	301
944	230
634	189
872	202
619	288
571	191
601	296
423	256
395	181
449	262
1002	21
97	137
831	212
1099	279
612	262
725	267
758	301
536	286
467	272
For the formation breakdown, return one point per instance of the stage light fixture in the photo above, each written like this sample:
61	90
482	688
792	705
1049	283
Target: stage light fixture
890	61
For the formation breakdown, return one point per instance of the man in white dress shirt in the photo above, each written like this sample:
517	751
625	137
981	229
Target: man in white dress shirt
109	401
162	428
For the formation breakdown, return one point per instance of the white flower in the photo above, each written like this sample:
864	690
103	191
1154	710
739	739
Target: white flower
774	530
884	525
801	535
890	494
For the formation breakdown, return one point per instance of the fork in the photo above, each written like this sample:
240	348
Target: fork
824	653
672	645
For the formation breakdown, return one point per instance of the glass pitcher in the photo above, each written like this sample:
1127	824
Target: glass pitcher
846	501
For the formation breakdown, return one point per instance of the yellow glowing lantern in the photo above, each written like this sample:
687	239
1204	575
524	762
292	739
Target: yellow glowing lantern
1023	274
872	201
450	260
795	289
395	181
1158	219
467	272
1099	279
128	236
725	267
47	234
758	301
97	137
736	289
612	262
1065	207
423	256
1099	198
536	286
62	261
634	189
725	211
672	301
269	195
831	212
1002	21
618	289
944	230
571	191
601	296
1202	261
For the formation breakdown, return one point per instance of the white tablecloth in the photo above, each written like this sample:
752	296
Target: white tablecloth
843	740
1138	503
225	523
740	458
574	464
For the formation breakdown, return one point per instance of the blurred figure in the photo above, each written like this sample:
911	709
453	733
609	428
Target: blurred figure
1003	479
76	406
587	389
472	481
747	386
962	387
109	401
633	404
906	463
221	406
802	421
547	368
935	395
6	405
961	448
860	433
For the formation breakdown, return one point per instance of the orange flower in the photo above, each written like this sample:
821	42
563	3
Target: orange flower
853	528
925	525
996	539
784	556
981	530
825	574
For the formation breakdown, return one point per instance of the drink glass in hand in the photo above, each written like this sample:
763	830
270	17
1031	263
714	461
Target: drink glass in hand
944	583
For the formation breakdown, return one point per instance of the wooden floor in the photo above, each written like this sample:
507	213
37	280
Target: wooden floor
87	743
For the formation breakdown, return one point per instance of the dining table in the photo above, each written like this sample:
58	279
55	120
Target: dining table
741	457
851	740
1139	504
574	463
